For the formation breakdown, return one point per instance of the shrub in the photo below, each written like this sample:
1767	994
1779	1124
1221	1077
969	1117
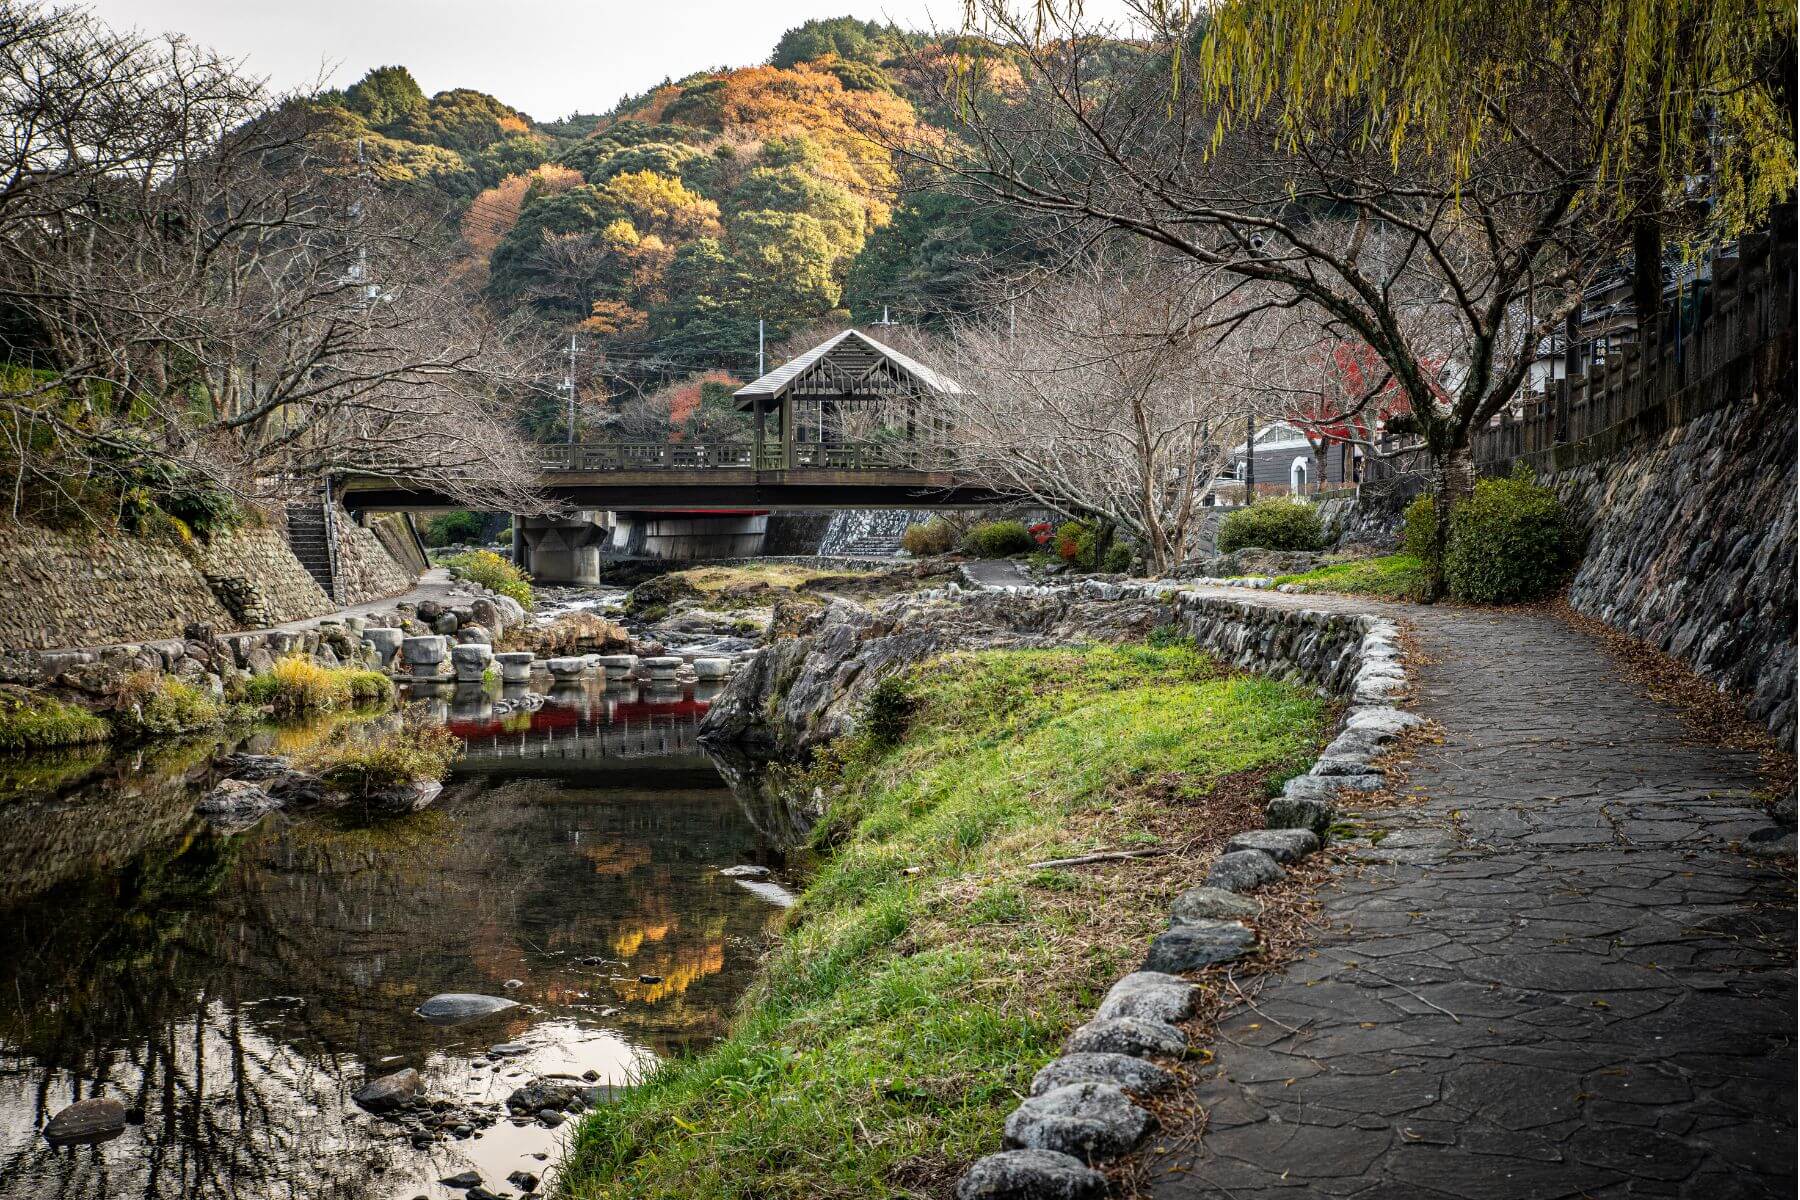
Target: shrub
1077	544
419	749
887	711
1420	528
1117	559
151	704
1508	542
1272	525
936	536
297	684
997	539
32	722
494	573
459	525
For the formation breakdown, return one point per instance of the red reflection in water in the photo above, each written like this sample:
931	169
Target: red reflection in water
583	712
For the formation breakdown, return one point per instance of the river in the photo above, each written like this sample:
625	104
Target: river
235	991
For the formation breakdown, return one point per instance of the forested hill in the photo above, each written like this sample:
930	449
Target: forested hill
665	228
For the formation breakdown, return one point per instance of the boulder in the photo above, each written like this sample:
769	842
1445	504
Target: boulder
1150	994
1292	812
1243	870
1121	1070
1195	944
389	1092
85	1122
1090	1121
1030	1175
453	1008
1136	1036
545	1093
1282	845
471	635
1210	904
235	805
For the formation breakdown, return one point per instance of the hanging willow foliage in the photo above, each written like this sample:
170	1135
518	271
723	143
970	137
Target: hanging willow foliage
1675	90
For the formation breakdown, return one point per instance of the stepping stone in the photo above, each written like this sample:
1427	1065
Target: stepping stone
1210	904
1127	1035
1150	994
1120	1070
1282	845
389	1092
1030	1175
1193	945
1089	1121
1242	870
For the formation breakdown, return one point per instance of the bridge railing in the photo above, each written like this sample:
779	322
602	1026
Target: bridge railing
689	456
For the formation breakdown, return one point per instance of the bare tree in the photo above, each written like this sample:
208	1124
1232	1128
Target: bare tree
200	281
1498	236
1114	389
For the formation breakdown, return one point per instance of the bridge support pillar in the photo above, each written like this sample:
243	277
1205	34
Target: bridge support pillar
688	536
562	550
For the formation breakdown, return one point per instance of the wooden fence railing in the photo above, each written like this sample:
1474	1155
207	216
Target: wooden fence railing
691	456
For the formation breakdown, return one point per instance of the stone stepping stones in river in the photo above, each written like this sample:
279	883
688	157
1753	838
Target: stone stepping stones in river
453	1008
86	1122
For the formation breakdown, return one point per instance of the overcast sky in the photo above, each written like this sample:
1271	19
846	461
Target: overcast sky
547	57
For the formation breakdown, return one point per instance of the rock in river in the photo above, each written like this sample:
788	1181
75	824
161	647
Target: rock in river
453	1008
97	1119
389	1092
235	805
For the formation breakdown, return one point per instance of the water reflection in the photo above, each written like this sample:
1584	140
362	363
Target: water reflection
235	991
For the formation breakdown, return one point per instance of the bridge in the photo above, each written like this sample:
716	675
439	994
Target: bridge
836	427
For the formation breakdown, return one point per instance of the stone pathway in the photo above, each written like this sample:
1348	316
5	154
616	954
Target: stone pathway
1554	978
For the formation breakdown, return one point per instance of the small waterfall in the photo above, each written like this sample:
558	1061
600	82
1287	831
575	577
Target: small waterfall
868	531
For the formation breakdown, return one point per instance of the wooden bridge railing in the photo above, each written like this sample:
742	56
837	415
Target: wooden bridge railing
690	456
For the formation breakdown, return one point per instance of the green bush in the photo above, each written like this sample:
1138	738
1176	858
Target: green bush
151	704
997	539
936	536
32	722
459	525
1078	544
419	749
1117	559
1508	542
493	573
1420	528
887	711
1272	525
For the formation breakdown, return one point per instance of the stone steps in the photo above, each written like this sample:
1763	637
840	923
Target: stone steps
307	538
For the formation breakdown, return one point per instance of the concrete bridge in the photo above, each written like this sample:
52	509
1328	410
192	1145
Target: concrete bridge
851	423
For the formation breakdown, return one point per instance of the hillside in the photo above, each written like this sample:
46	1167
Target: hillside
666	228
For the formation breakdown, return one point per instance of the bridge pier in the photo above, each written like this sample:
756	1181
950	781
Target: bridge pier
560	550
690	536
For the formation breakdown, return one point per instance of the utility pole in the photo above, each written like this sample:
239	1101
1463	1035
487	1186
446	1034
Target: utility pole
1249	457
759	347
568	385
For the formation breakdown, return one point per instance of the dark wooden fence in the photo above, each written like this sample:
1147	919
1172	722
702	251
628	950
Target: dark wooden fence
1642	380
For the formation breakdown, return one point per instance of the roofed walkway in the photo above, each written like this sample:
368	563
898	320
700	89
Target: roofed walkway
1556	977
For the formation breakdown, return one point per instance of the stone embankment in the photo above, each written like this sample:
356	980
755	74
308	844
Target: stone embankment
60	590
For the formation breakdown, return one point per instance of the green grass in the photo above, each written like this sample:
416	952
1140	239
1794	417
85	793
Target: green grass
927	971
33	722
495	574
1391	577
418	749
151	704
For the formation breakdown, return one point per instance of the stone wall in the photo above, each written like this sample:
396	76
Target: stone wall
1691	540
60	590
365	569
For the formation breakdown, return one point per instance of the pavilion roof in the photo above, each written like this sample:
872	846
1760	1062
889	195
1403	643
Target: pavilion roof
843	362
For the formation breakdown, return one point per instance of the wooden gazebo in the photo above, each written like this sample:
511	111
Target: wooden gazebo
848	403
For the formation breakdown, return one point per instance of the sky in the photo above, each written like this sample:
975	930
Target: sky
546	57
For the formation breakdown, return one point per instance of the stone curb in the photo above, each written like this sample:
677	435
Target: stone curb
1052	1145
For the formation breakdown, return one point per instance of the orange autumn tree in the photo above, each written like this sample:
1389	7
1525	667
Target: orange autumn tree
494	212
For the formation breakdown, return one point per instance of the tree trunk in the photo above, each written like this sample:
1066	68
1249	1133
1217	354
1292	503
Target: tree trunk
1455	482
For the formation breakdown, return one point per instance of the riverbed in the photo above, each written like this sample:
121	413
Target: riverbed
235	991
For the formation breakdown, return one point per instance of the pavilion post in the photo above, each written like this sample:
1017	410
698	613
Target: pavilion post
787	431
756	433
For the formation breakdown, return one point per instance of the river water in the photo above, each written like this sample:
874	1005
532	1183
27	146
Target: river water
234	991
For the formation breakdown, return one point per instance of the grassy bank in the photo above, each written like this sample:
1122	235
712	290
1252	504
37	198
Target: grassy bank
929	969
34	722
1390	577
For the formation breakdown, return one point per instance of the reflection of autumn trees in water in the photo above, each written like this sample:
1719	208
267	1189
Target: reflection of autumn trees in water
150	958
